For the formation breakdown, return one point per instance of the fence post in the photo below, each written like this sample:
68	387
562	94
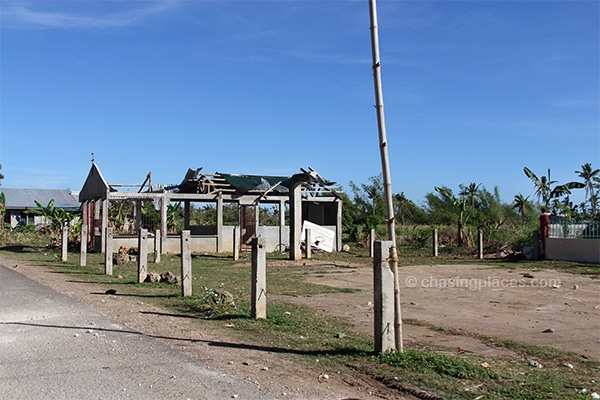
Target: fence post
83	246
480	244
308	243
435	242
236	243
64	242
186	264
108	251
383	296
537	253
259	278
142	255
372	243
157	246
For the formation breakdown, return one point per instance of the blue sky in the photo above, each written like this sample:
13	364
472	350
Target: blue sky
473	91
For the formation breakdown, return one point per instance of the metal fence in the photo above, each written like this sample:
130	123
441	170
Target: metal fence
574	229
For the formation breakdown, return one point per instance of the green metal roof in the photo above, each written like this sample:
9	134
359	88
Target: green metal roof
255	182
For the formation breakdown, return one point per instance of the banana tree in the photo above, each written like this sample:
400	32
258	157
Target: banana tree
57	217
544	189
461	204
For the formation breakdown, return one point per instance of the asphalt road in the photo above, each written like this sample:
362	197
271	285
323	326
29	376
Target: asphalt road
54	347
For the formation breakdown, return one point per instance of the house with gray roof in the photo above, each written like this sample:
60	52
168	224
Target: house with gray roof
20	202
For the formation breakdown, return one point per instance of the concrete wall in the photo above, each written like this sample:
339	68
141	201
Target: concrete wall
208	243
580	250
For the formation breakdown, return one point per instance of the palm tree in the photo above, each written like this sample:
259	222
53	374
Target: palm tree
471	192
520	203
591	180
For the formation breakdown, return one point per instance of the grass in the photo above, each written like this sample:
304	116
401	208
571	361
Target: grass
292	329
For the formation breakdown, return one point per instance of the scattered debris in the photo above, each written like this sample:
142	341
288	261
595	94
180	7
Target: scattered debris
111	291
323	378
527	275
567	364
549	330
152	277
535	364
169	278
486	365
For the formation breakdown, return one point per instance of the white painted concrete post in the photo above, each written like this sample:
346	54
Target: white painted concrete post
259	278
186	264
236	243
157	246
480	244
308	242
108	251
372	243
83	246
383	285
64	242
142	255
295	222
434	244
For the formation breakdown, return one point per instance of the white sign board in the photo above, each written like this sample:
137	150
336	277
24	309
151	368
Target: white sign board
321	238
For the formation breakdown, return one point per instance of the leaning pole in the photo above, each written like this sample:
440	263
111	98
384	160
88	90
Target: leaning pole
385	165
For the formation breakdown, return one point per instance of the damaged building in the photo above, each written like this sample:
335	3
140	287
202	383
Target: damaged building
299	201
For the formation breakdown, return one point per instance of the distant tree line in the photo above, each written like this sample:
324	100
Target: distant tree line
473	207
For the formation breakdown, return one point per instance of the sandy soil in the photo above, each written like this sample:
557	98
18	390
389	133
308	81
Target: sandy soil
545	308
504	303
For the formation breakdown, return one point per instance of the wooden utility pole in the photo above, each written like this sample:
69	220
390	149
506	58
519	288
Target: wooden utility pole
387	182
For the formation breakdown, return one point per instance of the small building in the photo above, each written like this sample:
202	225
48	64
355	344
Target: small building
126	208
20	202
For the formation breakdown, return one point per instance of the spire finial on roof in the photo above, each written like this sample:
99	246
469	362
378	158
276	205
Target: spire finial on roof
92	157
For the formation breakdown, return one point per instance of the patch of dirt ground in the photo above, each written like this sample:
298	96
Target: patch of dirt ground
545	308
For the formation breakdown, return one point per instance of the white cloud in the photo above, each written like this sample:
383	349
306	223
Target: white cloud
32	15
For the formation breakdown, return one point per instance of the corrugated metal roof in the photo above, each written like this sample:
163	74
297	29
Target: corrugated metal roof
255	182
20	199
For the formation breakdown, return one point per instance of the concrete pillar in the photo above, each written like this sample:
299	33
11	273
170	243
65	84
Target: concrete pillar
281	224
383	290
220	240
104	224
64	242
186	264
163	221
372	243
142	255
434	243
480	244
157	246
259	278
108	252
308	243
137	209
236	243
295	221
83	245
186	214
537	251
338	230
